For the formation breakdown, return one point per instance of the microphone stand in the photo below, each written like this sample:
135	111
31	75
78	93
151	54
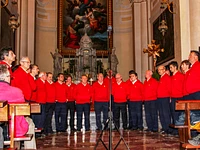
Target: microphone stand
109	121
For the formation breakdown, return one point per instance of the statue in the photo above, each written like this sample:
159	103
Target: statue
114	61
57	61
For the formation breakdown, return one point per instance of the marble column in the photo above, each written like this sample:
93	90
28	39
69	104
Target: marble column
194	9
123	36
46	33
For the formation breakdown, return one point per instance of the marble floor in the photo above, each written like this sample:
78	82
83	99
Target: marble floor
136	140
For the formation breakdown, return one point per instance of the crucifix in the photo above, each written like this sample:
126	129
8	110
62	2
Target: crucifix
153	50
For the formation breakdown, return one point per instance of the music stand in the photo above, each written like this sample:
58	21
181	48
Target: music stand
110	120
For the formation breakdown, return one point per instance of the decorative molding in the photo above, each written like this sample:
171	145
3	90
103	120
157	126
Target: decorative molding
126	18
122	4
47	29
123	30
43	16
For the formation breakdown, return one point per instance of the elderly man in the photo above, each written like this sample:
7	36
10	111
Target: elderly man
7	57
21	78
163	94
13	94
101	99
150	99
120	94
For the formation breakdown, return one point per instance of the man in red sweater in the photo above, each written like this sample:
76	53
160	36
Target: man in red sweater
135	96
163	93
60	108
83	95
7	56
150	102
192	82
39	119
32	80
177	80
101	99
120	94
50	102
70	101
21	78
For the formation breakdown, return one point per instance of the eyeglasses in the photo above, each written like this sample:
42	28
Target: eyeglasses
28	62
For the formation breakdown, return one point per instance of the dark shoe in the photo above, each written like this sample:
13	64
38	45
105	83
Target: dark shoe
114	129
133	128
125	129
98	129
147	130
73	130
87	130
78	130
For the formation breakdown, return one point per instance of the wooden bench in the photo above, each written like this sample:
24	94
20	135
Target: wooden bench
3	111
185	130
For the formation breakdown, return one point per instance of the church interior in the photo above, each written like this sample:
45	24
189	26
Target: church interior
92	36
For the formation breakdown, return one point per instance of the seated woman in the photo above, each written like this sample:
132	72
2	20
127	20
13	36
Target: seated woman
12	95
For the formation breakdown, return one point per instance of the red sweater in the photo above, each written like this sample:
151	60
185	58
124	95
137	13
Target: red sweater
177	85
135	91
100	92
50	92
184	85
21	80
33	85
61	95
83	94
41	91
150	89
164	86
120	92
192	83
70	92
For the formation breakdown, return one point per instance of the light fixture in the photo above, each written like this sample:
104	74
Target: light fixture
13	22
5	4
163	27
164	4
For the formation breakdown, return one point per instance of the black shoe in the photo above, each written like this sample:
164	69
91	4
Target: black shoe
147	130
78	130
133	128
114	129
87	130
98	129
73	130
125	129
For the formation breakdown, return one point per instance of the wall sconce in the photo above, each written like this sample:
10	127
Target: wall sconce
5	4
163	27
164	4
13	23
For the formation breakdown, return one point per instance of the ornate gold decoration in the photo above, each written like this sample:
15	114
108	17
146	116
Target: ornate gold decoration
5	4
13	22
153	50
163	27
166	3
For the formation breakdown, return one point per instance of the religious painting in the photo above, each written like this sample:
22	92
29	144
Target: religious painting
80	17
166	41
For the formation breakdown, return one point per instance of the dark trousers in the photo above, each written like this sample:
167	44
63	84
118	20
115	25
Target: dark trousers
70	105
136	114
175	114
50	107
120	107
129	115
83	109
151	115
60	117
39	119
164	112
101	107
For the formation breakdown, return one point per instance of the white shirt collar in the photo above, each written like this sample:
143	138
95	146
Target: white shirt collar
100	83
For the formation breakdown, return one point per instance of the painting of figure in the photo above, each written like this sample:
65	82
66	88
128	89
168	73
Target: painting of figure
84	16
